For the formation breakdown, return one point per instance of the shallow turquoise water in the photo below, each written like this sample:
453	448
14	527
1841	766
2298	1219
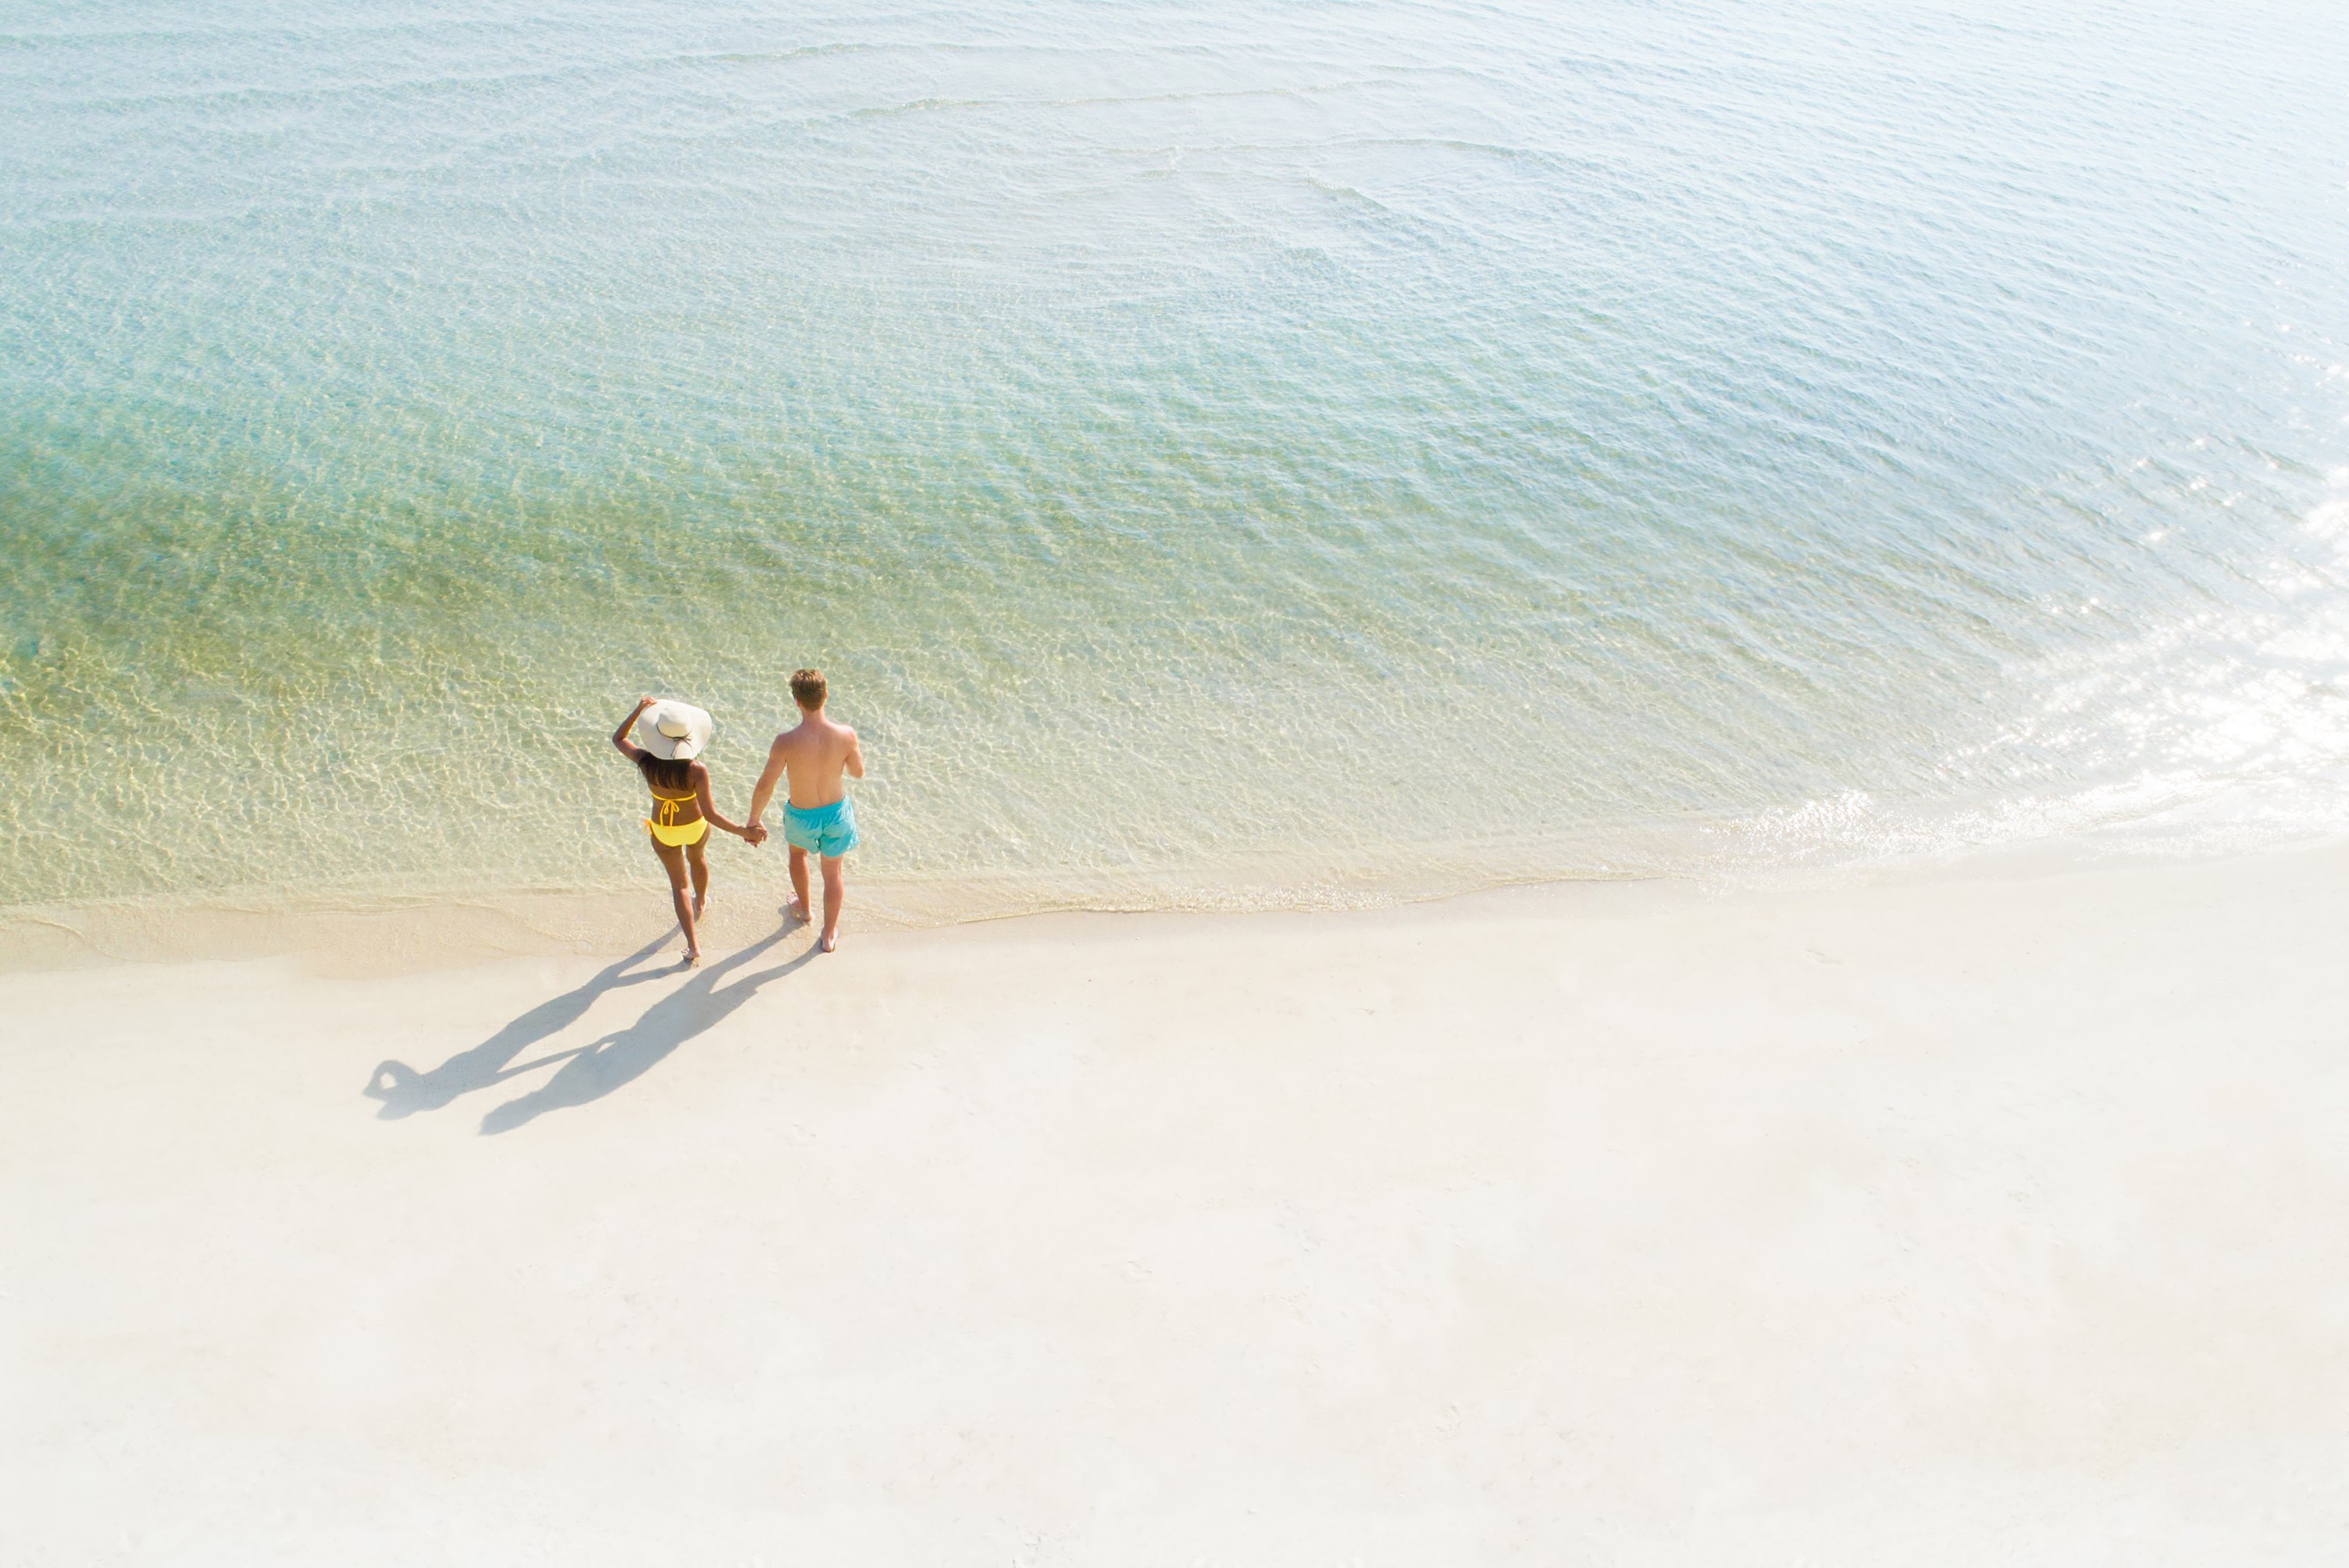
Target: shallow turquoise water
1219	450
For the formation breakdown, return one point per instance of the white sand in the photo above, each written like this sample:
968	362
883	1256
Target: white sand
1985	1219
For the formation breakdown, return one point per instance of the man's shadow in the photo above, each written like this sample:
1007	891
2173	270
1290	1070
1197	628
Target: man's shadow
405	1091
594	1071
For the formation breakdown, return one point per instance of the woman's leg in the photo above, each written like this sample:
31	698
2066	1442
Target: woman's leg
699	867
672	859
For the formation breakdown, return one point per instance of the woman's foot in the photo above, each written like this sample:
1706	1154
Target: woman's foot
692	958
700	903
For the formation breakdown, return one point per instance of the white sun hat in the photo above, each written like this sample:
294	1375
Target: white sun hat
674	730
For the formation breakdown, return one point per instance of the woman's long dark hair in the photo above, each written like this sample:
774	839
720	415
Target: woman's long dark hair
665	772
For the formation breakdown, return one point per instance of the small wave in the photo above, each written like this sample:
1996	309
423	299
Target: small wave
922	106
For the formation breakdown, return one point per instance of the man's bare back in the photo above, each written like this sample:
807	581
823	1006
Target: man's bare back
813	754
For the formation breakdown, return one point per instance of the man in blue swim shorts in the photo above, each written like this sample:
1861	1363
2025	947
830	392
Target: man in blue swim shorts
815	753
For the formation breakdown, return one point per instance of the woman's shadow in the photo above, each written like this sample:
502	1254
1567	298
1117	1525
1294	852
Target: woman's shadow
595	1071
588	1072
405	1091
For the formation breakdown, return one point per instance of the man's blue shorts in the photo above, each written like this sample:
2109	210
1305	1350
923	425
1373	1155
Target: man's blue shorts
826	830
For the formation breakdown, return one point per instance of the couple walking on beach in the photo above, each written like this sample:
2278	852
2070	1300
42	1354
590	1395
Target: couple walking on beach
813	754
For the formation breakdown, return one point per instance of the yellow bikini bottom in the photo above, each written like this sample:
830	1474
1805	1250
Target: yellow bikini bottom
677	838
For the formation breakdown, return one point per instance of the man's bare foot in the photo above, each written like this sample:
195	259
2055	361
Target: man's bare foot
831	941
796	913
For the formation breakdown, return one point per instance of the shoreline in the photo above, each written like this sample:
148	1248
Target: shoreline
354	933
1935	1220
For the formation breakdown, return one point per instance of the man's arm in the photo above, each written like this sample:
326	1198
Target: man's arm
766	790
856	756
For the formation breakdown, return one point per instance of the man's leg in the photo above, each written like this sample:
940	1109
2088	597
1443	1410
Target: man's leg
699	867
835	894
799	910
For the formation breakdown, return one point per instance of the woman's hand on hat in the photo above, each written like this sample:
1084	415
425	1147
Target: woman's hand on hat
620	736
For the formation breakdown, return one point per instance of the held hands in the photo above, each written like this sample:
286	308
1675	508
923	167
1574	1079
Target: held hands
754	834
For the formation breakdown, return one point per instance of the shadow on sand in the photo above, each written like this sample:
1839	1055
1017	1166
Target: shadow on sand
405	1091
595	1071
588	1072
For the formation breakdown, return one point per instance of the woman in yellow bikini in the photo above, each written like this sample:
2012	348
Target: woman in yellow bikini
666	751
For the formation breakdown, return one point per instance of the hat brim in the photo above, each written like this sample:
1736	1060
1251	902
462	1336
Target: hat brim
675	748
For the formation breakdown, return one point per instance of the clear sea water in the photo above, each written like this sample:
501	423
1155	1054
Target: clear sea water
1223	453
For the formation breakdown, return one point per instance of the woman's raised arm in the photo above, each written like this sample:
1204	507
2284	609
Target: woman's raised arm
627	748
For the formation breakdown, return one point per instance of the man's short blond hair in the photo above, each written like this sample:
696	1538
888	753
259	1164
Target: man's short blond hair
808	689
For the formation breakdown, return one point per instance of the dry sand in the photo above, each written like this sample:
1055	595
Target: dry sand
1987	1217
